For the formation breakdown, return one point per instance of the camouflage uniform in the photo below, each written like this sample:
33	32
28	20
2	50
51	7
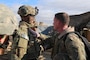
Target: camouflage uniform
67	48
23	39
28	47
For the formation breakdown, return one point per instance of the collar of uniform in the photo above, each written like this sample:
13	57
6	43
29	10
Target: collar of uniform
69	29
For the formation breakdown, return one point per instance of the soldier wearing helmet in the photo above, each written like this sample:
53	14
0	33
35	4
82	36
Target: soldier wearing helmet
28	46
8	23
26	10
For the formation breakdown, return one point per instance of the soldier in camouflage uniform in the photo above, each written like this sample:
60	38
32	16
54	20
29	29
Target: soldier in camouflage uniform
28	47
8	23
65	47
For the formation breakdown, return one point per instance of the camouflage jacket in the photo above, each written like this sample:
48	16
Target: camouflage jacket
27	41
67	48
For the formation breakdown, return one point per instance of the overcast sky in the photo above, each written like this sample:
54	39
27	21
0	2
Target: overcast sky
47	8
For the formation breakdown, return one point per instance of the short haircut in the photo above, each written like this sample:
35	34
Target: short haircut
63	17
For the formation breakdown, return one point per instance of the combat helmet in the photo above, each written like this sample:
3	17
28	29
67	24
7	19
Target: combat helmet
25	10
8	20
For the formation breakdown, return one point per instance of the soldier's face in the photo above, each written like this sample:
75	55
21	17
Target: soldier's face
58	26
31	19
55	23
28	19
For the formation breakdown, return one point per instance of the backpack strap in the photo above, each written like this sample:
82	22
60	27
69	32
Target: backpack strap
85	41
87	45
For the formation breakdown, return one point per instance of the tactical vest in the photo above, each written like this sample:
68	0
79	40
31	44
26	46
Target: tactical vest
27	41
